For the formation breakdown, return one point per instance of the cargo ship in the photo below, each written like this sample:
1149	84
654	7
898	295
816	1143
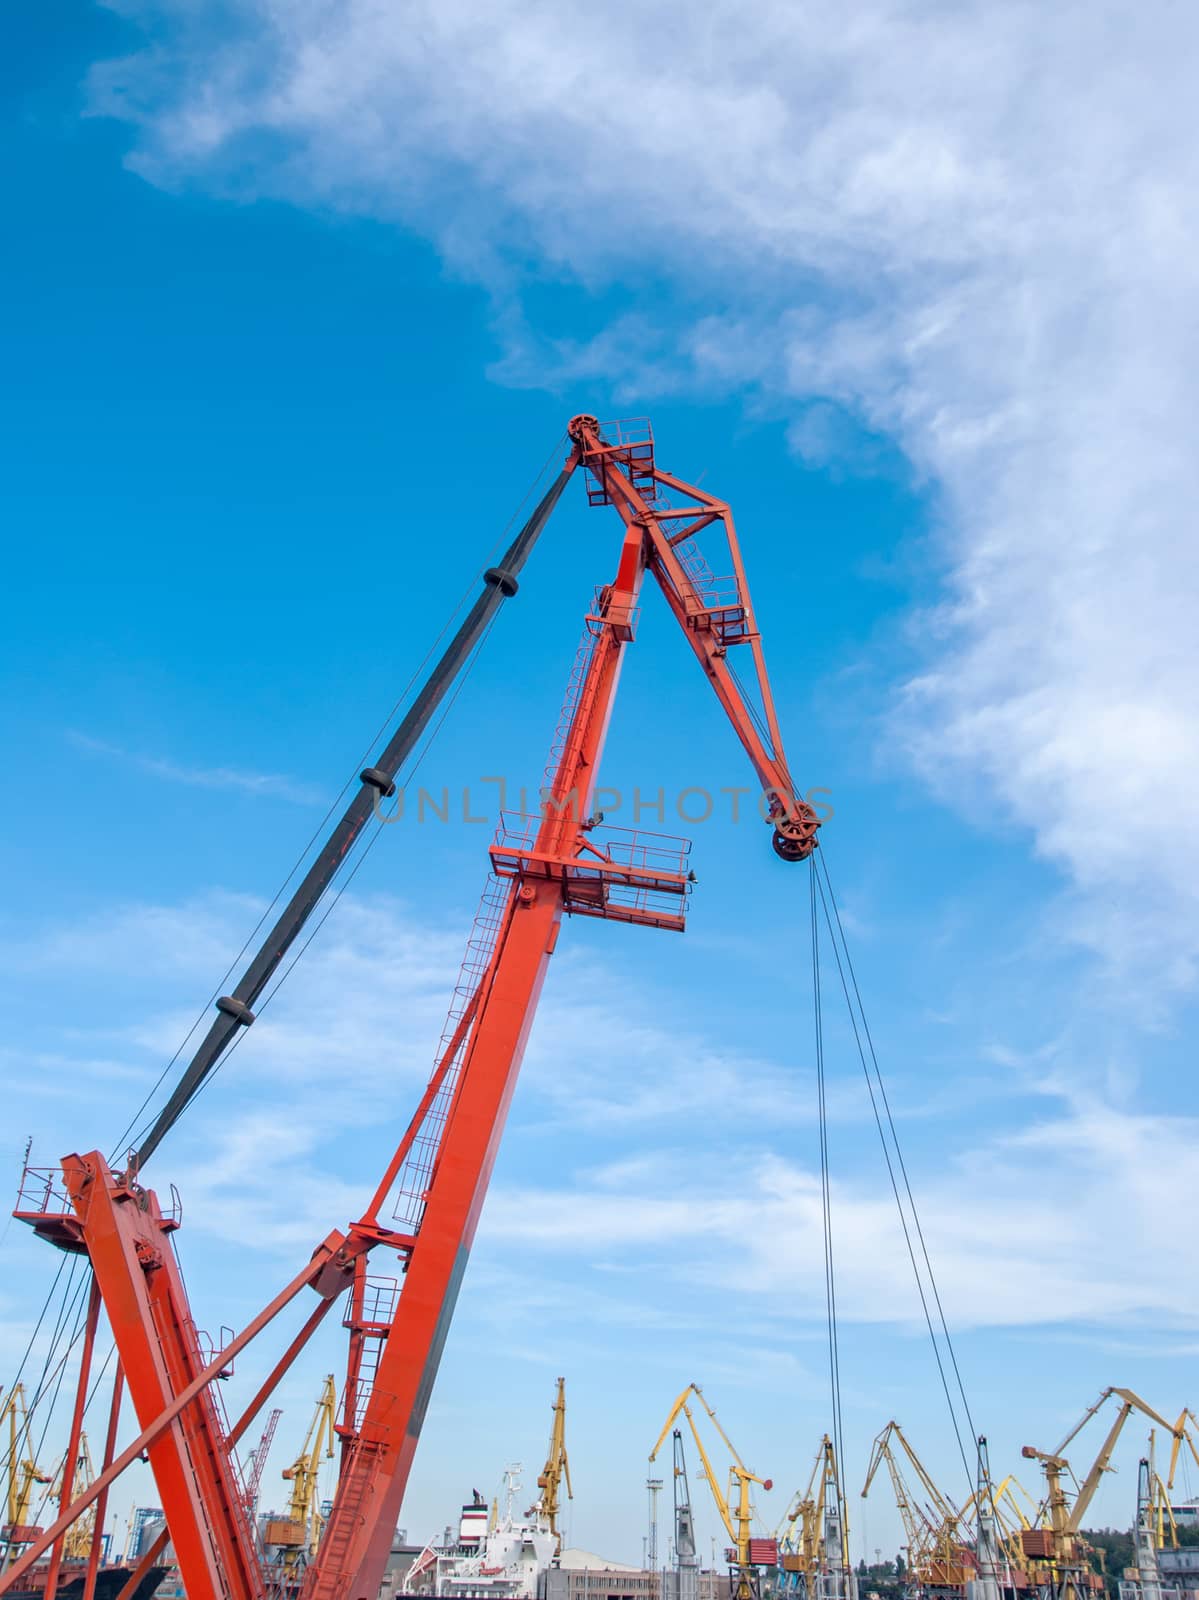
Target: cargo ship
492	1555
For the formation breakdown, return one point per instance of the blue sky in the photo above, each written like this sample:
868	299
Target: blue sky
297	304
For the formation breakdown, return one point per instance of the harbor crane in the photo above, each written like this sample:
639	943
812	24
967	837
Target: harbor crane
24	1474
938	1539
686	1554
1015	1511
78	1542
421	1220
299	1534
257	1462
556	1470
1056	1551
734	1506
813	1537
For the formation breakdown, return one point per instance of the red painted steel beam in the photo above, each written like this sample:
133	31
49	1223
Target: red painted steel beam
134	1581
353	1553
795	821
129	1246
135	1333
110	1444
76	1430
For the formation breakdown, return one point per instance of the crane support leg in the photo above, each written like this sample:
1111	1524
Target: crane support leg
138	1276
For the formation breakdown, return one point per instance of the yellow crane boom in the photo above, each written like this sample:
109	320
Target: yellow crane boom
736	1518
557	1468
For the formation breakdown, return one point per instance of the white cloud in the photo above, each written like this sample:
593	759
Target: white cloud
271	784
969	227
344	1052
747	1221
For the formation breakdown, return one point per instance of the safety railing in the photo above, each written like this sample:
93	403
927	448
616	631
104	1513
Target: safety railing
627	874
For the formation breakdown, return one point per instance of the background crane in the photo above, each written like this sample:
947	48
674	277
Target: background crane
556	1470
734	1507
23	1473
813	1537
257	1461
299	1534
939	1555
1056	1551
78	1542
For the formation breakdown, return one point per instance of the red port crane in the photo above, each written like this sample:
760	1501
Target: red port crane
258	1461
426	1207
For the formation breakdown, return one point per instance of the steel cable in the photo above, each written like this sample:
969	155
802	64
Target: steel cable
830	1287
884	1122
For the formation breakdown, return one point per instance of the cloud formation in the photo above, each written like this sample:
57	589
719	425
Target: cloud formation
271	784
967	228
604	1176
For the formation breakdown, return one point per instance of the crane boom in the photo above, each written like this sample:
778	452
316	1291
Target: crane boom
258	1460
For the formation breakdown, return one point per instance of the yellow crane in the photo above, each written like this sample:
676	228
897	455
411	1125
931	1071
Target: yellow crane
938	1537
556	1470
734	1507
1057	1548
77	1541
799	1533
23	1470
1182	1435
300	1532
815	1521
1015	1511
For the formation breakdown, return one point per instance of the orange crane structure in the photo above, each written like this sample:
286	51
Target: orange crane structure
426	1205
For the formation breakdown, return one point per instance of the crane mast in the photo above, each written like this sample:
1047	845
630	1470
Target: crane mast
837	1581
1144	1535
556	1469
986	1584
425	1209
686	1555
258	1461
